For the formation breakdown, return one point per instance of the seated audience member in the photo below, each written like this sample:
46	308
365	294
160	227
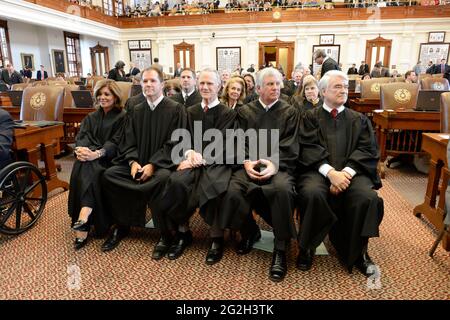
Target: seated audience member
251	93
171	88
189	94
338	164
353	69
96	146
199	181
233	95
144	162
6	137
10	76
41	74
118	73
224	77
265	181
308	97
366	77
410	77
291	86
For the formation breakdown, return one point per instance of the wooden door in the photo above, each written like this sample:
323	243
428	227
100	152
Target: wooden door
184	53
99	60
280	52
378	49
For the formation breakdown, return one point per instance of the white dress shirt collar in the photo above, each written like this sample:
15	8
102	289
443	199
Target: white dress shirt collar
267	107
187	94
328	109
211	105
155	103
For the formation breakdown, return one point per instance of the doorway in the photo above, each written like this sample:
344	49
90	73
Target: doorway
378	49
277	53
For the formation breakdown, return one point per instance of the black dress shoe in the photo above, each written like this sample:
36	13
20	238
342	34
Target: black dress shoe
81	225
161	248
117	234
79	243
182	241
305	259
215	251
365	265
278	269
246	244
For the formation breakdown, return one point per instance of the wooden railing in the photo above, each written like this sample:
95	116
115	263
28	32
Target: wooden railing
245	17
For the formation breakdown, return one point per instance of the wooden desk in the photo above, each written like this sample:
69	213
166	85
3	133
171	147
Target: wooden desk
400	132
29	141
72	118
365	106
436	146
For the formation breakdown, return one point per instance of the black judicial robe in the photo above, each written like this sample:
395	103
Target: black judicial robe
354	215
133	102
146	139
193	99
191	188
304	105
98	130
272	199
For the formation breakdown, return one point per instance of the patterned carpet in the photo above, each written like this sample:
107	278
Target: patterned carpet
41	264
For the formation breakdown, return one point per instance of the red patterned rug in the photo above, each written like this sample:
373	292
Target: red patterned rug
41	264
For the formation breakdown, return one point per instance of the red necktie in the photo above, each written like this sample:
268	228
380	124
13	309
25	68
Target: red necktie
334	113
205	109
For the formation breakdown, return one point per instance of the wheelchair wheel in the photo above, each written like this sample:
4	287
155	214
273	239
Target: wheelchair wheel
23	195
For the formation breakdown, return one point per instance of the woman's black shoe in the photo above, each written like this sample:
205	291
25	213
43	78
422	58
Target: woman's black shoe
81	225
79	243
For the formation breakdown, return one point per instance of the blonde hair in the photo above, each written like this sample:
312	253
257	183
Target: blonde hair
236	79
113	87
307	80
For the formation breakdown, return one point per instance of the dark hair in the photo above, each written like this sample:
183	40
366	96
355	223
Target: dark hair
119	64
155	60
191	70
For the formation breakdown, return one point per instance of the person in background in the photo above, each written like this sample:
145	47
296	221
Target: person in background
41	74
410	77
353	69
233	95
307	97
118	73
171	88
178	70
189	94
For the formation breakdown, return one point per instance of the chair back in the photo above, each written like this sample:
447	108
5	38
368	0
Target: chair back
399	95
445	112
438	75
399	79
370	89
68	99
42	103
19	86
423	76
125	90
434	84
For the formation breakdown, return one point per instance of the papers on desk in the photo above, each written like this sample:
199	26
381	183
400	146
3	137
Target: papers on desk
378	110
444	136
40	123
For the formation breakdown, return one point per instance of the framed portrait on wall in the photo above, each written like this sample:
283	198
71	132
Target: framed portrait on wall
59	61
333	51
436	36
145	44
228	58
27	61
133	44
141	58
433	52
326	39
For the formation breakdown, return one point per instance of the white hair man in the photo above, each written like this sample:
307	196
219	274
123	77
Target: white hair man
336	189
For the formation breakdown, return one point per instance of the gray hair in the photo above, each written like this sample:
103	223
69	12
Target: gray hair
266	72
323	83
216	75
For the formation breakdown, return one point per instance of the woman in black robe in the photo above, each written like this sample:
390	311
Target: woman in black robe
96	145
308	98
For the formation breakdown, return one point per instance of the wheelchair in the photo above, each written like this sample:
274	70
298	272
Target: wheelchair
23	195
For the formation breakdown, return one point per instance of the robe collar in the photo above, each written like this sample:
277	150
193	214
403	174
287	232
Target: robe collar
155	103
267	107
211	105
328	109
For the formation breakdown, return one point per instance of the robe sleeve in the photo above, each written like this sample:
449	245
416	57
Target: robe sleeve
312	153
364	158
289	146
111	145
85	137
127	147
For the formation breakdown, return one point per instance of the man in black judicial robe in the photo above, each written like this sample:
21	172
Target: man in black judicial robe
265	183
144	162
189	95
338	164
199	180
